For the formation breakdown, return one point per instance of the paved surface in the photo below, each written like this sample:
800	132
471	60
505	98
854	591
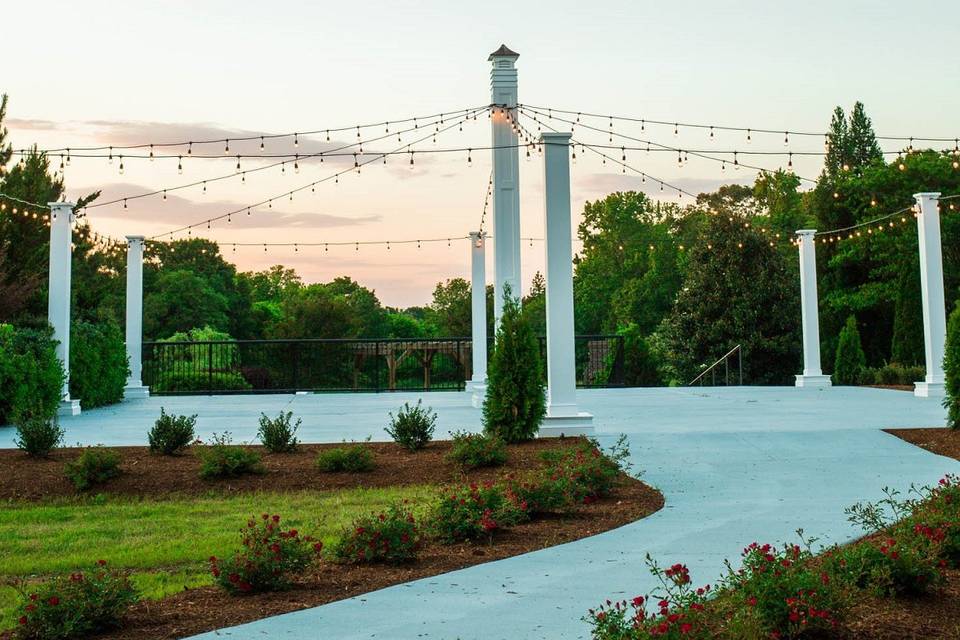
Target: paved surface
735	465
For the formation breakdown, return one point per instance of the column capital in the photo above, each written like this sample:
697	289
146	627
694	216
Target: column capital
71	205
556	137
927	195
806	232
135	238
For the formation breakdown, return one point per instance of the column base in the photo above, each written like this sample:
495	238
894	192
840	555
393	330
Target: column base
929	389
68	408
814	382
478	391
578	424
136	392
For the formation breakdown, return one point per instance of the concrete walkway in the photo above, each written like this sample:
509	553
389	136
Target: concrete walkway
735	465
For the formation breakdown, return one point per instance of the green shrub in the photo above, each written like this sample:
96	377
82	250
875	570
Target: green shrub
951	368
171	434
588	471
356	458
38	436
98	363
269	557
892	374
392	536
31	376
886	567
640	367
277	434
850	360
74	607
515	403
474	450
412	428
95	465
474	512
220	459
200	381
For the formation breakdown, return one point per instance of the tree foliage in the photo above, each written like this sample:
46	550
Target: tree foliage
850	360
951	368
515	403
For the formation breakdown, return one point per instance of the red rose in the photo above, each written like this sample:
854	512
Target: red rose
53	601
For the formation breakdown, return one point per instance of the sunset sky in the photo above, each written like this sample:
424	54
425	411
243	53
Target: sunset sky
107	73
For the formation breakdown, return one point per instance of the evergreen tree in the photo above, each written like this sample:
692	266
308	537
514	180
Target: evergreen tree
951	367
861	147
850	360
738	290
837	144
907	347
515	403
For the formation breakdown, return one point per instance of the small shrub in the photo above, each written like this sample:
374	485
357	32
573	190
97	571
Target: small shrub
412	428
220	459
474	450
277	434
38	436
679	610
474	512
171	434
781	592
515	403
31	375
269	558
586	471
95	465
75	607
392	536
886	567
850	360
951	369
356	458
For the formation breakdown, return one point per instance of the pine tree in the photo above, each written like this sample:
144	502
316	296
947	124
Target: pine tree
515	403
862	147
837	144
850	360
907	345
951	367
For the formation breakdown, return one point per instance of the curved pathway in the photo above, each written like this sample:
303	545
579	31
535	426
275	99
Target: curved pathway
735	465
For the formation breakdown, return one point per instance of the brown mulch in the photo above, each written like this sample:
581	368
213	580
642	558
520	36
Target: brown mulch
147	475
940	440
204	609
893	387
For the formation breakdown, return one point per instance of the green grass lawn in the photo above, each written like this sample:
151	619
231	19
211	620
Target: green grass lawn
165	544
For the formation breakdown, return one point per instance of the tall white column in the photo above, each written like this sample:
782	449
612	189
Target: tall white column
478	323
563	417
931	286
810	313
58	297
135	388
506	177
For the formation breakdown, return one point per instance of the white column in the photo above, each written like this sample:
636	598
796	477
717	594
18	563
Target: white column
506	176
563	417
58	296
931	286
478	323
135	388
810	313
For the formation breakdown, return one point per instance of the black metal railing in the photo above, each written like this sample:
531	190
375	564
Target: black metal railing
283	366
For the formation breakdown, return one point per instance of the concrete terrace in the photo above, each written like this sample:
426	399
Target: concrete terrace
735	465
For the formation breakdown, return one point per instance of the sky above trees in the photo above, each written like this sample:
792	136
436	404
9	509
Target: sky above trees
102	73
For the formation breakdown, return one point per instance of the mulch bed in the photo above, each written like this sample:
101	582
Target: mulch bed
204	609
156	476
940	440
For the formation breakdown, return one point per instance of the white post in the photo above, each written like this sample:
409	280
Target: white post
478	324
135	388
506	177
931	286
810	314
58	296
563	418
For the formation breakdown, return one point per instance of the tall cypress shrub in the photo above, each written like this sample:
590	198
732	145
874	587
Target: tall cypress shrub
850	360
515	403
951	367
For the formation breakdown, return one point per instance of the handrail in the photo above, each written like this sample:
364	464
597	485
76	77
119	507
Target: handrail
723	358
